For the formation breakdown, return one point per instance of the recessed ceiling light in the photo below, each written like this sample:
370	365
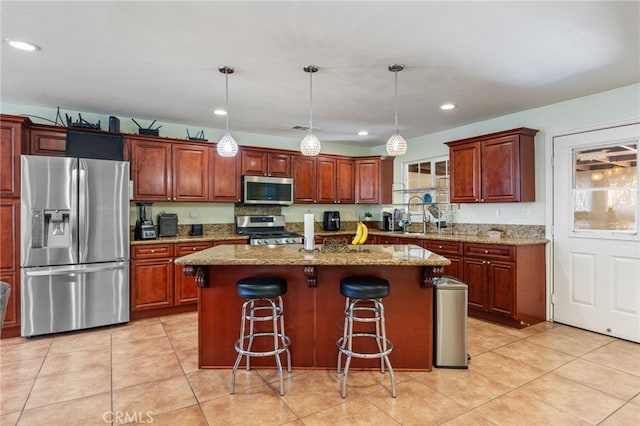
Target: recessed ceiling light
363	133
219	112
22	45
447	106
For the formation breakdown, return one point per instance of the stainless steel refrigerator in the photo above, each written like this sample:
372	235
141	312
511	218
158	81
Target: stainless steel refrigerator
74	243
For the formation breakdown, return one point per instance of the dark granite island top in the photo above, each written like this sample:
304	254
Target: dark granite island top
313	303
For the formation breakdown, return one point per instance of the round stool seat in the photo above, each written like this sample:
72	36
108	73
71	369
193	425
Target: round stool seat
361	287
261	287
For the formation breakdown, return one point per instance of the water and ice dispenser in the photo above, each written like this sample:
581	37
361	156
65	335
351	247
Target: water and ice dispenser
50	228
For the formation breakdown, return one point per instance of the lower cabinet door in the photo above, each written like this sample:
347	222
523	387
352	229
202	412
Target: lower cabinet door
501	293
186	292
152	284
475	276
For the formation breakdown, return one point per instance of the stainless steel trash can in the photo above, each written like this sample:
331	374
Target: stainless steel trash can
450	323
5	291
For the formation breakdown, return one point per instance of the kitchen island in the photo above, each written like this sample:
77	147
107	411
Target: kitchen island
313	303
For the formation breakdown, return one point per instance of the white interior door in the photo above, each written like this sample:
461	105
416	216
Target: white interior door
596	247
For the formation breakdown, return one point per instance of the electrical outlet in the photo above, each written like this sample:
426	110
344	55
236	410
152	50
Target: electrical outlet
498	212
523	212
193	214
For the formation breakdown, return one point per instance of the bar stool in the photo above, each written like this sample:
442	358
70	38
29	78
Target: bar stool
364	304
263	296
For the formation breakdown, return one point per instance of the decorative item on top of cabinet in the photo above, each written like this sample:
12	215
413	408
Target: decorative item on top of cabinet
261	162
374	180
498	167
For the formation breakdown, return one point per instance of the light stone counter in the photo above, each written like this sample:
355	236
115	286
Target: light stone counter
290	255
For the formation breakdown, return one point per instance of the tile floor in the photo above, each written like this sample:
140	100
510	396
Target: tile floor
146	372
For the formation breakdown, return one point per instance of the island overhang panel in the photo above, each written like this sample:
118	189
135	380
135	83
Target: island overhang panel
313	303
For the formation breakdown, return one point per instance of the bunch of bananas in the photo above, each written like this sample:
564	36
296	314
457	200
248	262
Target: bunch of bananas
361	234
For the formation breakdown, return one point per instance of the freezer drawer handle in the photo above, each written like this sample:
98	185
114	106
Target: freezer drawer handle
73	271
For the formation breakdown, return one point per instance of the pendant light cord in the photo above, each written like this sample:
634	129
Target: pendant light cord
226	78
311	102
396	96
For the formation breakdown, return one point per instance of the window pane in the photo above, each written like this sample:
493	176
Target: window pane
613	209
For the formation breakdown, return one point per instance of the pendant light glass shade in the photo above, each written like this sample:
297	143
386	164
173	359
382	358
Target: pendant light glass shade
396	145
227	146
310	145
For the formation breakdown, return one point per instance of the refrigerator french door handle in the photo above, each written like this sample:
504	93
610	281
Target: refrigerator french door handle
83	208
39	272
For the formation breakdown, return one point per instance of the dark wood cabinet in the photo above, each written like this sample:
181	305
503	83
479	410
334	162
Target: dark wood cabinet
10	262
225	180
11	140
151	169
345	181
499	167
304	179
373	180
265	163
48	140
385	239
326	179
506	283
186	291
452	250
190	168
152	276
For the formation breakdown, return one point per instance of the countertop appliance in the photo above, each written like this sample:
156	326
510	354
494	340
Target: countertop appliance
144	229
267	190
167	224
266	230
331	221
74	253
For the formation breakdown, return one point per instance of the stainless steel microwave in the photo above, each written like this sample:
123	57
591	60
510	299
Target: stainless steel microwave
267	190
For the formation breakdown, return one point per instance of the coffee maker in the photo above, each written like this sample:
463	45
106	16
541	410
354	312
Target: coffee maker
331	221
144	229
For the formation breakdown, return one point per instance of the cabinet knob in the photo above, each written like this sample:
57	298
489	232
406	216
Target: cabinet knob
439	247
153	251
488	262
486	252
484	262
194	249
482	200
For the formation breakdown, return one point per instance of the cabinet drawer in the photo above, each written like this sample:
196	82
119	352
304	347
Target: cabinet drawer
152	251
188	248
444	247
494	251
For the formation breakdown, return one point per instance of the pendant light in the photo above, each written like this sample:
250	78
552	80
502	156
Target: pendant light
310	145
396	145
227	146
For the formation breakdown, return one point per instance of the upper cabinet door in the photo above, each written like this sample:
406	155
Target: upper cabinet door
279	165
224	181
256	162
464	161
500	170
190	172
151	170
345	181
326	180
304	175
11	134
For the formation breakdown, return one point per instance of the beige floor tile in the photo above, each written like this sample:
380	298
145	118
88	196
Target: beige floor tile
357	411
26	349
373	380
81	340
209	384
470	418
20	370
529	353
519	408
190	416
581	334
155	398
145	370
619	354
92	410
573	398
489	337
137	332
416	404
628	415
636	400
184	340
313	391
132	350
257	406
504	370
69	362
188	359
568	344
613	382
10	419
14	395
466	387
68	386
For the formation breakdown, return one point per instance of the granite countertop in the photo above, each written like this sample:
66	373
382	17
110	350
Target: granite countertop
289	254
462	238
191	239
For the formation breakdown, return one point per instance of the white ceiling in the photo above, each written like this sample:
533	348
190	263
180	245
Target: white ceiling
159	60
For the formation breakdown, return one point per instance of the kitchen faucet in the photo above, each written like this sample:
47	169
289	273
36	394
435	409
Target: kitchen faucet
424	212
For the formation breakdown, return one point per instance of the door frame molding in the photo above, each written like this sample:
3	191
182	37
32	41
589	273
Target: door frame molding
548	191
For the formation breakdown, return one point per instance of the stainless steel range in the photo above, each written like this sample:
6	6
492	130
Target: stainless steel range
266	230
